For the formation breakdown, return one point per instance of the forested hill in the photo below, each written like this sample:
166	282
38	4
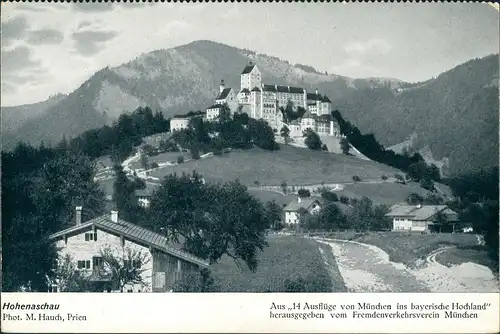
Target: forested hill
174	81
455	114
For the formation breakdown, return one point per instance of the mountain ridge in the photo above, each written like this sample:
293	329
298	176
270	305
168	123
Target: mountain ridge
187	77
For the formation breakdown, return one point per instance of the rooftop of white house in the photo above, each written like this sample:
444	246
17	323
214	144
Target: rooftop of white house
134	233
421	212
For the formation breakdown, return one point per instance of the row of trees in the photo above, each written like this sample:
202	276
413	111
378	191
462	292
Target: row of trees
119	139
414	165
362	215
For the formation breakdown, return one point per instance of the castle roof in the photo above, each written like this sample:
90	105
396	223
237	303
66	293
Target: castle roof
269	88
314	97
215	106
248	68
223	94
326	99
256	89
245	90
324	118
308	114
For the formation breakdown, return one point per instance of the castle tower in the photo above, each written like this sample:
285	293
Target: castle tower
222	86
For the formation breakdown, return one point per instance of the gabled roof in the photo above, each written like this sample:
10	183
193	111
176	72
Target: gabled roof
146	192
326	99
255	89
248	68
423	212
308	114
223	94
305	203
324	118
245	90
314	97
135	233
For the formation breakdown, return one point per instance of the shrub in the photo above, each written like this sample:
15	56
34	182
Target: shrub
356	178
344	200
384	177
330	196
427	184
304	193
180	159
154	165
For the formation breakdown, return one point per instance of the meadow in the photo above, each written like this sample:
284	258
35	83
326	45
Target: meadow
286	257
290	164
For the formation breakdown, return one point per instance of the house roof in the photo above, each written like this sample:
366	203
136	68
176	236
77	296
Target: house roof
245	90
305	203
215	106
326	99
314	97
225	92
248	68
136	234
308	114
324	118
146	192
423	212
255	89
269	88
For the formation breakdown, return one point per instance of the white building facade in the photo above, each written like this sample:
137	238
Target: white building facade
263	101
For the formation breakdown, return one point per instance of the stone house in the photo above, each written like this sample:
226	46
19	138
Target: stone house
164	262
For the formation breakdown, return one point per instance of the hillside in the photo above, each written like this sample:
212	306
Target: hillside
454	116
175	81
14	117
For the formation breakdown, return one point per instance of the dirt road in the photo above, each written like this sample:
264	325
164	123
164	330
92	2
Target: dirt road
366	268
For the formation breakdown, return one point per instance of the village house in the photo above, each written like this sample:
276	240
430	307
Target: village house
300	208
179	123
429	218
83	242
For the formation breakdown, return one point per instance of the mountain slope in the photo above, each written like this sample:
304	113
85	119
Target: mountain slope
14	117
455	115
175	81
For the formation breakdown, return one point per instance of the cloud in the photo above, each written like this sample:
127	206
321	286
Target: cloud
88	43
13	29
45	36
17	59
90	7
372	46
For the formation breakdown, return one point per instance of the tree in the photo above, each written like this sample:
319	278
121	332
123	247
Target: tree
344	145
304	193
180	159
196	281
144	160
399	178
329	196
356	178
427	184
330	217
262	134
274	214
284	187
414	199
126	268
211	219
285	133
69	278
312	140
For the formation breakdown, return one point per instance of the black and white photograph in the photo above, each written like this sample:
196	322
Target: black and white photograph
250	147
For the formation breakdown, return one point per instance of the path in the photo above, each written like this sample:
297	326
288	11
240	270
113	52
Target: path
367	268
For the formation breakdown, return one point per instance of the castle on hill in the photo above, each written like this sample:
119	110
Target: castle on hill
263	101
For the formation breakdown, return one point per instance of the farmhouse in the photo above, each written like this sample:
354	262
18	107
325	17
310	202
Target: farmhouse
164	263
300	208
143	197
421	217
179	123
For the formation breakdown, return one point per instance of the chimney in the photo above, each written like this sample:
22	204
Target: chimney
114	216
299	199
222	86
78	217
317	91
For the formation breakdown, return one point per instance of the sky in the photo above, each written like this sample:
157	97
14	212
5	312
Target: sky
50	48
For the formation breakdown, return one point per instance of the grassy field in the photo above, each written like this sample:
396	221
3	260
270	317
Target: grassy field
407	248
462	254
291	164
268	196
382	193
162	157
286	257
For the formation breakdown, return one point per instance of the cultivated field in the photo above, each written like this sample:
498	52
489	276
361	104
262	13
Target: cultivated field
290	164
286	257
